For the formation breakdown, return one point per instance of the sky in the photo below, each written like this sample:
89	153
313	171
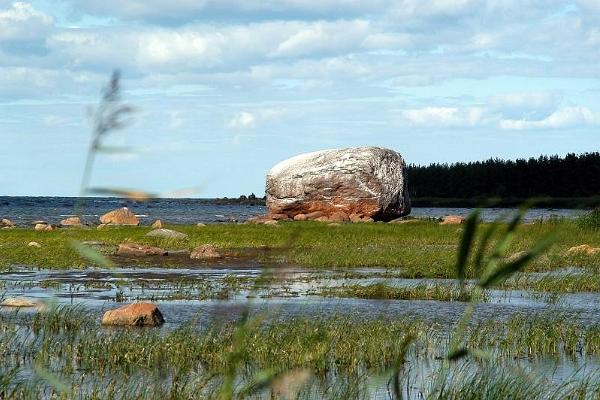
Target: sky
225	89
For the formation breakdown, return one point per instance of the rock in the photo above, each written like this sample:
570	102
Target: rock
369	181
157	224
34	244
71	221
270	222
43	227
20	302
166	234
334	224
339	216
278	217
404	221
120	216
514	257
200	225
452	220
311	216
300	217
584	249
205	251
135	249
322	219
6	223
136	314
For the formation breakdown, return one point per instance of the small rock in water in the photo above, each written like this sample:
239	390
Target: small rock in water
452	220
120	216
20	302
157	224
135	249
205	251
34	244
166	234
584	249
136	314
200	224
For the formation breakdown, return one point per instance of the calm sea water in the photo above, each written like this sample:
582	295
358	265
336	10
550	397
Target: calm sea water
24	210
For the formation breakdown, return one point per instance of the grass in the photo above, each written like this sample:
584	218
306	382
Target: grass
385	292
423	249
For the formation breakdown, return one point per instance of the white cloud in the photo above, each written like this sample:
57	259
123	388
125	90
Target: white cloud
251	119
566	117
22	22
445	116
525	105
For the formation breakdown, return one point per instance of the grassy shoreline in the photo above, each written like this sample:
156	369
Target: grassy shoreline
422	249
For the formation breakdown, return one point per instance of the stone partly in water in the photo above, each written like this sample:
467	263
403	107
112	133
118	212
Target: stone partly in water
452	220
166	234
370	182
205	251
71	221
20	302
584	249
136	314
120	216
157	224
137	250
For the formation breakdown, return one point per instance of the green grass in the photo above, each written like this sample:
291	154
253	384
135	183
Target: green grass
385	292
423	249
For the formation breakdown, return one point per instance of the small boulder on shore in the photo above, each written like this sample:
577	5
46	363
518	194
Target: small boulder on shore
71	221
452	220
157	224
137	250
205	251
120	216
584	249
43	227
136	314
34	244
6	223
166	234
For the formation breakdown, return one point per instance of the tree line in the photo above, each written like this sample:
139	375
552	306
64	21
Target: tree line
546	176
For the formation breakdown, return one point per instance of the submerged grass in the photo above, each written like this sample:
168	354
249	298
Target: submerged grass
423	249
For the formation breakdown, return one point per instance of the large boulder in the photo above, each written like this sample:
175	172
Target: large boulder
369	182
136	314
6	223
120	216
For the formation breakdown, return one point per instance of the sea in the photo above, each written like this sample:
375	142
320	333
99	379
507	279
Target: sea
25	210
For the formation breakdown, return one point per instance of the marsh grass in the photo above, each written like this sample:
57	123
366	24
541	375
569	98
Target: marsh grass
343	355
382	291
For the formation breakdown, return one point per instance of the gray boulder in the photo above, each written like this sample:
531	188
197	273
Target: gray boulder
366	182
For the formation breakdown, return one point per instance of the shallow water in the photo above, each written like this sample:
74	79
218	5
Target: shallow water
208	293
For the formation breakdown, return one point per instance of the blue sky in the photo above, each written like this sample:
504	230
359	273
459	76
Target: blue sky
224	89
